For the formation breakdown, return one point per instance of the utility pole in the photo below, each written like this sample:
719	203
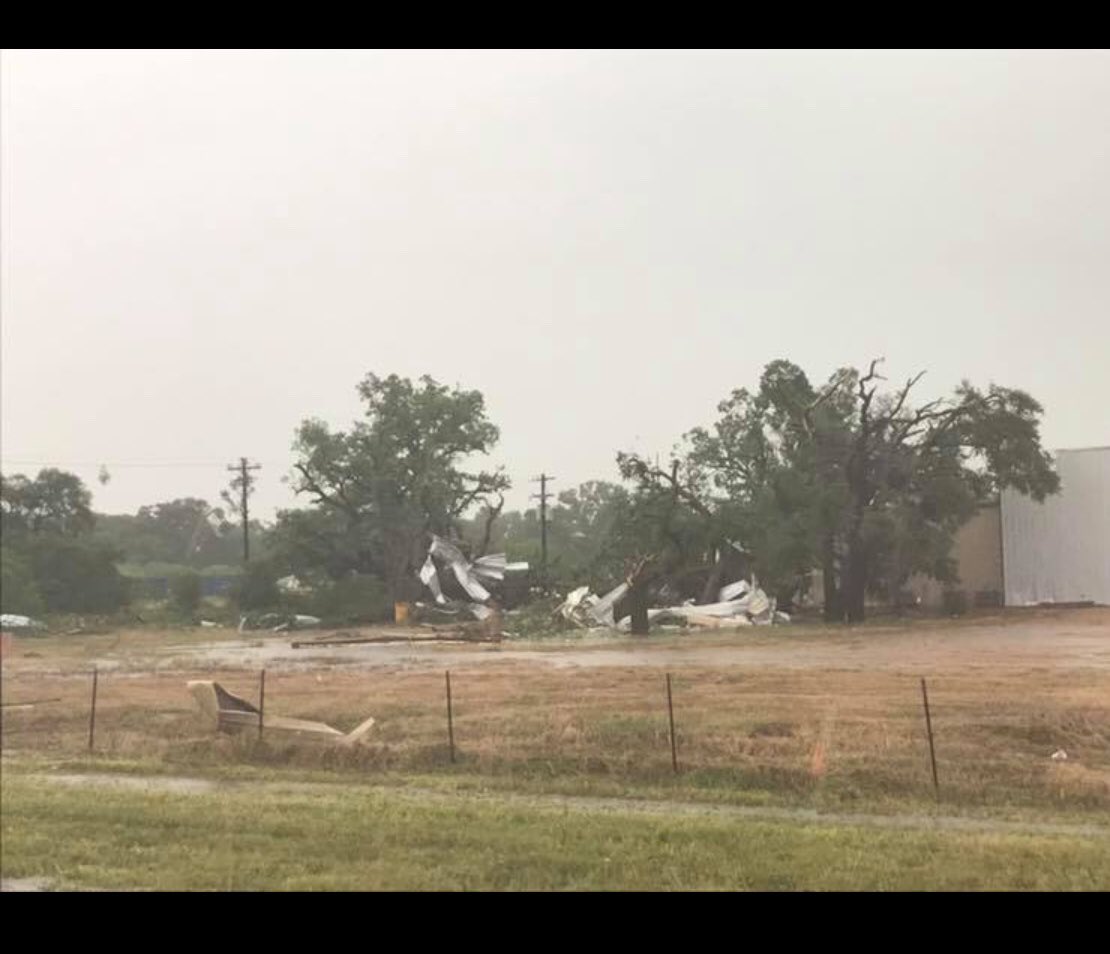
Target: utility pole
542	497
243	483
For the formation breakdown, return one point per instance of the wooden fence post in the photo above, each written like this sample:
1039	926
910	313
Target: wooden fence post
92	710
450	718
929	729
670	714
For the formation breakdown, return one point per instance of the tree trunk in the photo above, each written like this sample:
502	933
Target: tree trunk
834	609
637	597
855	583
713	584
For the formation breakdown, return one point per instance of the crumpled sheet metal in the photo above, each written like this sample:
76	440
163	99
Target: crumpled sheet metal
585	609
733	591
452	555
490	567
430	579
602	610
474	577
742	603
573	608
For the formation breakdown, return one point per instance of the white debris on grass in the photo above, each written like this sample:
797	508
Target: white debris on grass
291	584
741	603
16	621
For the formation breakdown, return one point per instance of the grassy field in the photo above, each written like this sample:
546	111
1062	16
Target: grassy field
346	839
848	742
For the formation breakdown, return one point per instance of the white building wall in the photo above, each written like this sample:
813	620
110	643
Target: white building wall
1059	551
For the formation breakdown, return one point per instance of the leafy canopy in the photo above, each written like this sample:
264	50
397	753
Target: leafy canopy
399	474
864	484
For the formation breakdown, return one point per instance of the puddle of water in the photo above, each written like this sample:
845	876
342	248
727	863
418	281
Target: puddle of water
142	783
1011	645
24	884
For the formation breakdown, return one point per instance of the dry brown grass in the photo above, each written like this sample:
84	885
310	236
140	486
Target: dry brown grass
739	730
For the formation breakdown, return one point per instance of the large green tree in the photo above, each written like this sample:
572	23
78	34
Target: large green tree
862	483
396	476
19	593
77	576
48	556
54	502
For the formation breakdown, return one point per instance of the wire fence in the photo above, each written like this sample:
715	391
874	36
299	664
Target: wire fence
859	735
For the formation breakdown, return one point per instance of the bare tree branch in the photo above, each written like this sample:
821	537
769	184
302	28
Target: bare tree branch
902	396
312	486
828	391
677	489
492	513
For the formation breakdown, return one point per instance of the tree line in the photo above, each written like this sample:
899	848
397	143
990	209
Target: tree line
848	478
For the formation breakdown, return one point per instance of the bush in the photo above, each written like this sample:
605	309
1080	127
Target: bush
77	577
185	593
18	591
355	599
257	587
954	602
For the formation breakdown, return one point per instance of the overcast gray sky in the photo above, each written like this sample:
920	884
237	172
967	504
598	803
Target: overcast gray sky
200	249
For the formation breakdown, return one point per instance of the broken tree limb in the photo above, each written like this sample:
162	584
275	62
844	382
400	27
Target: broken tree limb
453	636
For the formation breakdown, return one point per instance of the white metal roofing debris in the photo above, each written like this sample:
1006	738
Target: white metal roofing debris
741	604
452	555
15	621
602	610
733	591
430	579
291	584
1059	551
489	569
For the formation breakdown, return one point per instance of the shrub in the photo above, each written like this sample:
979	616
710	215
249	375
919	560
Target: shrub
355	599
257	587
77	577
954	602
185	593
18	591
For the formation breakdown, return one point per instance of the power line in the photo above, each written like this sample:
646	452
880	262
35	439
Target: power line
23	462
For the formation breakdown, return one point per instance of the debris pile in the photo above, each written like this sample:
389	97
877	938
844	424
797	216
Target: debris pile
456	582
13	621
741	603
584	608
278	622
